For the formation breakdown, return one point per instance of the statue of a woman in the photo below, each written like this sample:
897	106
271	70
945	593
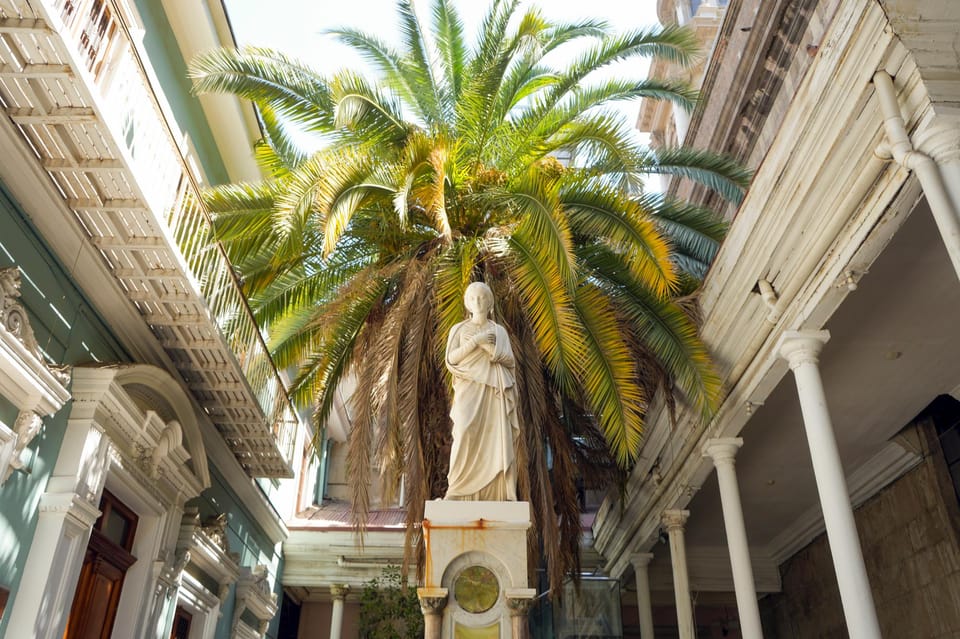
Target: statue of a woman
483	463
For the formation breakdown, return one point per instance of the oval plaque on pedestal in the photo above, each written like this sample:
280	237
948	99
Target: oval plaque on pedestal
476	589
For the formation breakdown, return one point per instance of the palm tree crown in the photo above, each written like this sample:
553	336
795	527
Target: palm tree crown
442	170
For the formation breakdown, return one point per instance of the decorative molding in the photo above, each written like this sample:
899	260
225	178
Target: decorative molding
722	450
215	528
208	550
27	380
70	504
25	428
147	444
13	317
640	561
254	594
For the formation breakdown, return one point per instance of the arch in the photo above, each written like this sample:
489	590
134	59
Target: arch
168	395
154	389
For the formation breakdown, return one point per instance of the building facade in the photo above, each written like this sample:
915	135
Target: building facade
821	499
148	452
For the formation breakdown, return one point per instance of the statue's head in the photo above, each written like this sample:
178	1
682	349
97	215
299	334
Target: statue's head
478	298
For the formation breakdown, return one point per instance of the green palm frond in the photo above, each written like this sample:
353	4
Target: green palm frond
563	33
715	171
622	225
321	372
606	374
695	232
661	326
267	77
537	204
548	304
385	59
455	271
441	168
451	46
278	152
366	112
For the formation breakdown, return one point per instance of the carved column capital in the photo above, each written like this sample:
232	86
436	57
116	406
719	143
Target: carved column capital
339	592
940	139
802	347
722	450
674	519
641	560
519	606
433	601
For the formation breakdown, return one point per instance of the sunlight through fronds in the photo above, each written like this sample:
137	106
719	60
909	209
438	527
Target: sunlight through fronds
462	159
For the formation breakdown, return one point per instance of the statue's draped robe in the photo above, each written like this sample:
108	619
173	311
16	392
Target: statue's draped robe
485	427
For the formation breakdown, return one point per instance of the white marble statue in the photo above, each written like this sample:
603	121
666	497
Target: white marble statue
483	463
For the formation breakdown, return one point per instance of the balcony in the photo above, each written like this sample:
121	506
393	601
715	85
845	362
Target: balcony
73	83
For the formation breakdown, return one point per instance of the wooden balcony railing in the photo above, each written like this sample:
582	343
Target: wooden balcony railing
74	83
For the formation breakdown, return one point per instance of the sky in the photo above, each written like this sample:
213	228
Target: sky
296	26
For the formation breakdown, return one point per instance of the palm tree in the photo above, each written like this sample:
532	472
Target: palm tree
442	170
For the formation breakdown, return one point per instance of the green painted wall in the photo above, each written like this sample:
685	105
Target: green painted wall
171	70
69	332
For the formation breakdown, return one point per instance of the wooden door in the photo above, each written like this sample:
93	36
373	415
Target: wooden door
104	565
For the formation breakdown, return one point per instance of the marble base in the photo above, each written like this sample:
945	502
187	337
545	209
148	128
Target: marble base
480	536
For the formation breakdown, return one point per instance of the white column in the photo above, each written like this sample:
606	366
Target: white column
433	601
641	563
800	349
339	593
723	451
941	141
934	158
673	521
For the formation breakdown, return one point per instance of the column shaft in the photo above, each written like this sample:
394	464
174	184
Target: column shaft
951	179
674	521
722	452
432	625
801	349
339	593
641	563
433	601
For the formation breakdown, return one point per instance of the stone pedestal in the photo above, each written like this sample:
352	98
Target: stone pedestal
476	556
